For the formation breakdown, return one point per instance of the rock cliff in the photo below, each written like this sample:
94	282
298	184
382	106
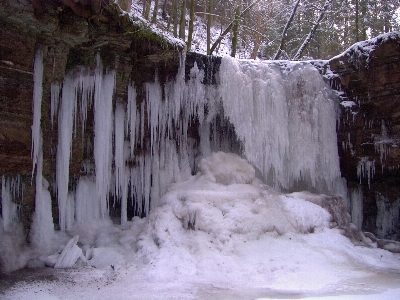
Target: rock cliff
368	76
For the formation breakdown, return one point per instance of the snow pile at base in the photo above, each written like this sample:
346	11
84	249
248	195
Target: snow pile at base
224	226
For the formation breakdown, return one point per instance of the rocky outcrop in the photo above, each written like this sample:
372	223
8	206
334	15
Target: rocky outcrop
368	76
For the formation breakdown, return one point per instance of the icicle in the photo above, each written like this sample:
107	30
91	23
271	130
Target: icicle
366	169
55	98
86	88
103	129
42	229
119	141
65	127
132	127
37	106
87	208
155	111
387	219
356	207
9	208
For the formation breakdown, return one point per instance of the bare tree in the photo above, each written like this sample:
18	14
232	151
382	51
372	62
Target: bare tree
191	24
313	29
182	23
146	9
257	36
209	21
235	29
229	27
284	33
155	11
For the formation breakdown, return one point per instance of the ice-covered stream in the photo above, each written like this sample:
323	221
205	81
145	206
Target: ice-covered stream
216	224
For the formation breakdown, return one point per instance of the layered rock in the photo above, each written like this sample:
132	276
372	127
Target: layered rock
368	75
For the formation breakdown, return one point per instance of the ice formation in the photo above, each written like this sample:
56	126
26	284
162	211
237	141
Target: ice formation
366	169
387	219
290	115
356	207
279	116
11	189
37	106
283	124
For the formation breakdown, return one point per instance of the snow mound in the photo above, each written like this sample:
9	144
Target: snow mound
224	225
226	169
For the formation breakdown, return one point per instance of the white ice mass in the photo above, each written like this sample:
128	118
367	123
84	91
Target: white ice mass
256	221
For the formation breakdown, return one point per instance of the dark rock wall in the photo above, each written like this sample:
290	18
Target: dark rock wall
369	132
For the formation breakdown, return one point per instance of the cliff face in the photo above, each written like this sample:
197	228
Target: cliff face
67	41
368	73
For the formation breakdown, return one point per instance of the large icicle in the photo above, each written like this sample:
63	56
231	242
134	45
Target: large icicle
132	128
87	208
42	229
65	127
8	206
103	129
122	152
37	106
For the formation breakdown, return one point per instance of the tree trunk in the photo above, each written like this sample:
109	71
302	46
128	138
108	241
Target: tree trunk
155	11
191	24
228	29
236	22
312	31
182	23
146	9
171	13
357	13
257	37
209	20
283	38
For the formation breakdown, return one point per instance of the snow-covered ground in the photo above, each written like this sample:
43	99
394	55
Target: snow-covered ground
221	234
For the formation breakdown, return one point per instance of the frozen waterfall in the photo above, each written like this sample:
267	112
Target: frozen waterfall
280	116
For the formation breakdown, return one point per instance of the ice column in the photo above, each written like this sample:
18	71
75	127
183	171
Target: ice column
37	106
103	130
356	207
387	219
65	128
87	208
9	190
121	155
42	230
